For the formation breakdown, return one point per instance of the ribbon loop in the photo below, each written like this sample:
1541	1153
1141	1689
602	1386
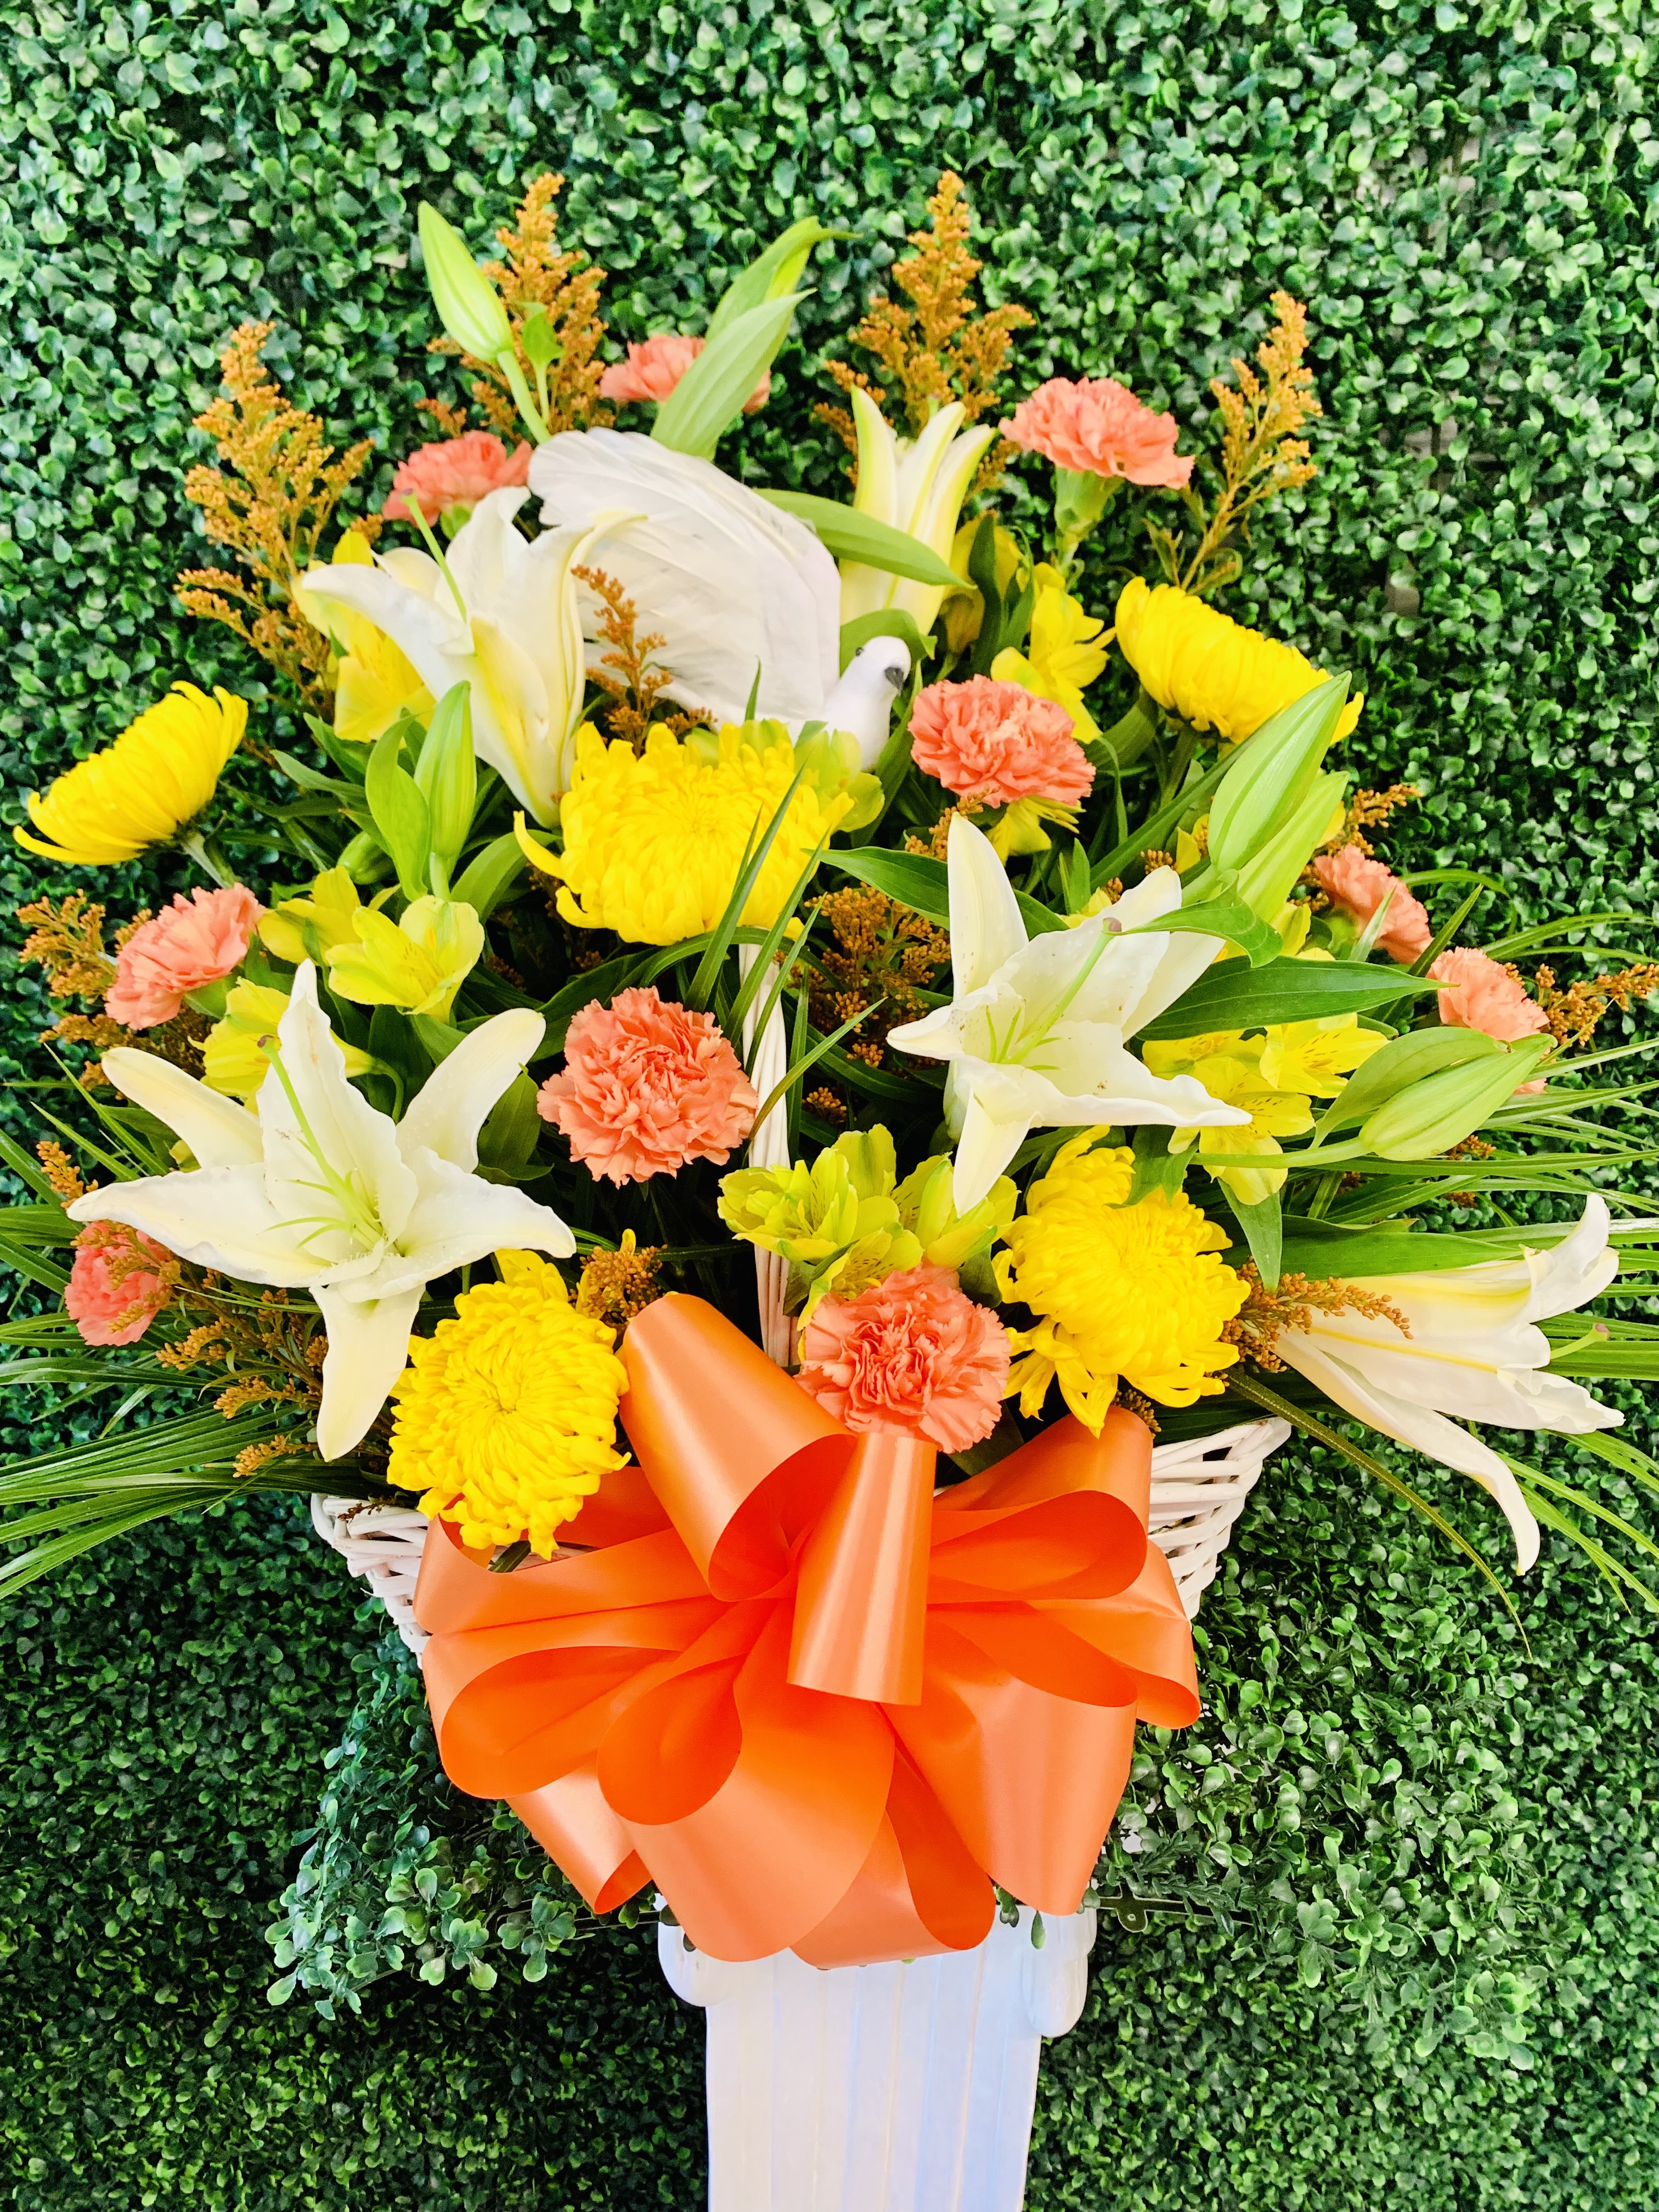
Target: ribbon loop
818	1705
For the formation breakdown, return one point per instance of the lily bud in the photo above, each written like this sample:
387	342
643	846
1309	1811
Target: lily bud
446	776
1273	773
1267	880
1440	1110
466	301
1402	1062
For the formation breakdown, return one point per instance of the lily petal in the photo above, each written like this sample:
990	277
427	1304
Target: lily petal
987	928
1579	1268
220	1133
367	1351
1420	1427
359	1144
983	1151
217	1218
458	1219
452	1105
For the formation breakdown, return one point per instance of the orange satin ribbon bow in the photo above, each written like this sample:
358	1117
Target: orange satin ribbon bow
819	1707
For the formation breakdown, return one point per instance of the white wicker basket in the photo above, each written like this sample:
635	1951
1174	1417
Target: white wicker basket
1199	1491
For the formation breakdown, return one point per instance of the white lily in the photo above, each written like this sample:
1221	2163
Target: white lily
917	485
505	621
320	1192
1474	1351
738	591
1035	1032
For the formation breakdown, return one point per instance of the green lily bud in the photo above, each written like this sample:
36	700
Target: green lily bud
1266	881
466	301
401	822
1440	1110
446	777
745	331
1273	773
1402	1062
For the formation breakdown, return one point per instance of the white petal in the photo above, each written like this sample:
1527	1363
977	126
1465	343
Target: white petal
460	1218
983	1151
220	1133
356	1143
1086	1064
367	1351
214	1218
1417	1425
1579	1268
986	929
733	585
427	631
451	1106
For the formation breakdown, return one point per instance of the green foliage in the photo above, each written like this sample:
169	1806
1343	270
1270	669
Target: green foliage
1462	195
403	1872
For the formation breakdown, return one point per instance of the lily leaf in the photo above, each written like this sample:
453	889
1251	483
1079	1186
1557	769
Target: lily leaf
1234	997
854	537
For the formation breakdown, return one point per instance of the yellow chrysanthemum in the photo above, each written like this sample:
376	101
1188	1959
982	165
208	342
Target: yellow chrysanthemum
1124	1291
1064	654
506	1415
158	775
1208	669
654	842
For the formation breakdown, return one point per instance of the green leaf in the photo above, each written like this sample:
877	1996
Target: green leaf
490	875
1234	997
922	884
1263	1226
851	536
886	621
708	398
400	815
1227	917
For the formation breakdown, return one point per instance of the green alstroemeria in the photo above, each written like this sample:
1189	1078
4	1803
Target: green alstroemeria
835	1223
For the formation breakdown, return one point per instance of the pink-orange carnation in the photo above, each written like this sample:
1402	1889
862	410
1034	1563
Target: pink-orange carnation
110	1298
996	743
647	1086
1357	885
194	942
910	1353
652	370
1479	992
1097	427
457	472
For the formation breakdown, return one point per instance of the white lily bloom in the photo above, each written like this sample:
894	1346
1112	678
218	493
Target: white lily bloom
320	1192
1035	1032
515	639
1474	1351
736	588
917	485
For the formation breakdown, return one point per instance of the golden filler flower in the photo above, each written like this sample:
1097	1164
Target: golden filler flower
654	842
1207	668
506	1415
1121	1292
156	777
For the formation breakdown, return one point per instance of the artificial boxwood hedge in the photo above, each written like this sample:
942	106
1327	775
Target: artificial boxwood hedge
1411	1939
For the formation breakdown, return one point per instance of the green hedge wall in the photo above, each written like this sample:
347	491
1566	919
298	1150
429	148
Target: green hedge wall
1414	1946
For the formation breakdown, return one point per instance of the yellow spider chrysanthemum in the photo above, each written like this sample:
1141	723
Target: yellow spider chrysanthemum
1208	669
654	842
158	775
506	1415
1133	1293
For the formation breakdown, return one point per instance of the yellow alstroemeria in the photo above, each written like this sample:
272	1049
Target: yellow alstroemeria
143	789
373	683
1230	1070
1208	669
654	842
1317	1057
308	928
1064	654
232	1062
417	963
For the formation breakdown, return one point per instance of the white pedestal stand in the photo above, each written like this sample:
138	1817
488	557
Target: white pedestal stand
891	2088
